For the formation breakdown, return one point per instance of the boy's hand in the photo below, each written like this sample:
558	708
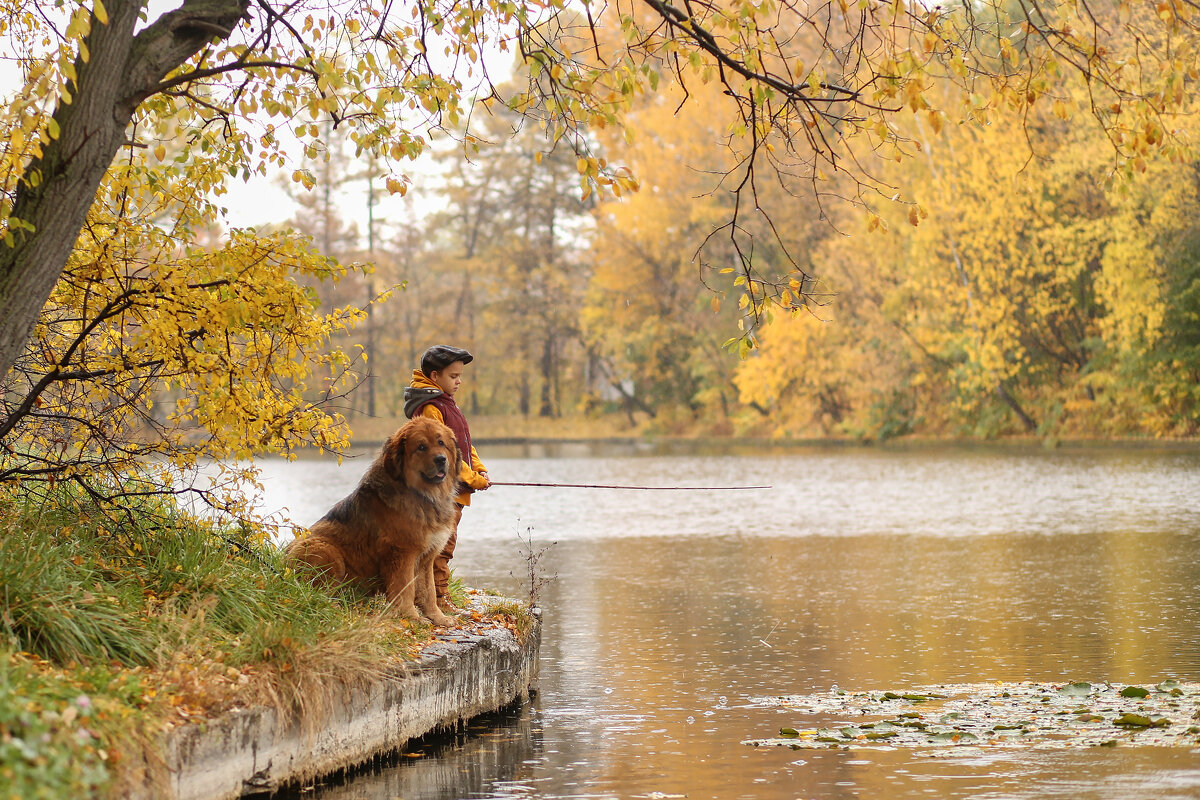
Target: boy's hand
486	481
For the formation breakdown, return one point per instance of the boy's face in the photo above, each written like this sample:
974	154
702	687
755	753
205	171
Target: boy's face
450	378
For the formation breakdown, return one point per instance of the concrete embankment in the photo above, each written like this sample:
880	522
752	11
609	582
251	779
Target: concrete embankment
460	676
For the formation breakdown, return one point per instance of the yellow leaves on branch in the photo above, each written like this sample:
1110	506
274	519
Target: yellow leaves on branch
227	339
597	175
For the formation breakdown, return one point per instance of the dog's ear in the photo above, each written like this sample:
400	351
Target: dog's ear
456	454
393	456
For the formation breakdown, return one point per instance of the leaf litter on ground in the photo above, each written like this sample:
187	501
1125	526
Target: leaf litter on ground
991	715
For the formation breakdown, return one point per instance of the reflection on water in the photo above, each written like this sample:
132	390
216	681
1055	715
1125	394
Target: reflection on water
865	569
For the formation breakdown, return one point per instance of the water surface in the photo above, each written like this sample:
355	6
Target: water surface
863	569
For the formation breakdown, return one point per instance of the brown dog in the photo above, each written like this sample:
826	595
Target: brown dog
386	534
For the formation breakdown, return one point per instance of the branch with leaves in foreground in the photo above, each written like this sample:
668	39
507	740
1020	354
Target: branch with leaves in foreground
152	359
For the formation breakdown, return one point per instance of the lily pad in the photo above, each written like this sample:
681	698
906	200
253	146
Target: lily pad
1135	691
1008	715
1077	689
789	732
1139	721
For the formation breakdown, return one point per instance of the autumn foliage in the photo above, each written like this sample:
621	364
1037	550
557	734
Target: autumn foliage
902	219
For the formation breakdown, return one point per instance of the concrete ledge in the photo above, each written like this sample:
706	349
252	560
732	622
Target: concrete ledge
454	679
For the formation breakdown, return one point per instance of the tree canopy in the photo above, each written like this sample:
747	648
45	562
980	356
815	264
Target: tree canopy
806	80
131	123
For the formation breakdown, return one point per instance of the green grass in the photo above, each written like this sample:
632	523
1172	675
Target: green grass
112	629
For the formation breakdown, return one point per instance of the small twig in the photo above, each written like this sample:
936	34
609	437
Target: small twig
768	636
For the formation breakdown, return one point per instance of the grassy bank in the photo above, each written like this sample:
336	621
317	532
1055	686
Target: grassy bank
112	631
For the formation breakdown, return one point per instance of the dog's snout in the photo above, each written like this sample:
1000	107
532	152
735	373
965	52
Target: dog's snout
440	461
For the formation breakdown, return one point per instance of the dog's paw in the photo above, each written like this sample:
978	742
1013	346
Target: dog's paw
409	613
441	620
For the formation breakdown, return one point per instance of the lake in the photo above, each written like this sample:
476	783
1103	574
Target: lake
672	613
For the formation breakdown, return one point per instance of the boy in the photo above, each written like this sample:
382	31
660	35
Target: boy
431	394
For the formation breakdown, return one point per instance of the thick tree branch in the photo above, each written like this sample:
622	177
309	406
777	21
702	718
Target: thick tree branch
122	71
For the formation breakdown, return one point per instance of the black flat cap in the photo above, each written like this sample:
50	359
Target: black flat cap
440	356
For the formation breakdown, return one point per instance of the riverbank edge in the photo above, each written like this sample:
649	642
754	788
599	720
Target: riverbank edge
457	677
687	444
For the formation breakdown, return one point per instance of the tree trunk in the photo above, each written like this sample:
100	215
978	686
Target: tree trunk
122	72
1011	402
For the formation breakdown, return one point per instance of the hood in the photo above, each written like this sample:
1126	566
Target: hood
421	381
420	392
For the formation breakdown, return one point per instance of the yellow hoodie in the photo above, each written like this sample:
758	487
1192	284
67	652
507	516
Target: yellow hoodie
469	468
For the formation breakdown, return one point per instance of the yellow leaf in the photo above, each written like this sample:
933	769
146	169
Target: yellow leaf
100	11
935	121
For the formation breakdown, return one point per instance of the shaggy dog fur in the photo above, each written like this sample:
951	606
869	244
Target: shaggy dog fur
385	535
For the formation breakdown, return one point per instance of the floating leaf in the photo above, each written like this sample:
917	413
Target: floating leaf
953	737
1134	691
1077	689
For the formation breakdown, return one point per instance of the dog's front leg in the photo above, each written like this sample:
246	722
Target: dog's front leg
426	588
399	582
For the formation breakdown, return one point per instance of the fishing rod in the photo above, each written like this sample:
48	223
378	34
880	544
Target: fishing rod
609	486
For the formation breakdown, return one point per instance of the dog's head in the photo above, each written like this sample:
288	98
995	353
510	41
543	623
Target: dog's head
423	455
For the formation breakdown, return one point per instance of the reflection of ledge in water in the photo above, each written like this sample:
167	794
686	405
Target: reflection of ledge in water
491	750
458	678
